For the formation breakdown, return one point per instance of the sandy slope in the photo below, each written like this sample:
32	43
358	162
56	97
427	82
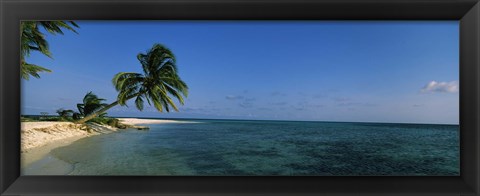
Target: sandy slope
35	134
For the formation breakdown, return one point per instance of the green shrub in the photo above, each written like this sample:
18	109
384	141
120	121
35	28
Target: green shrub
27	119
52	118
108	121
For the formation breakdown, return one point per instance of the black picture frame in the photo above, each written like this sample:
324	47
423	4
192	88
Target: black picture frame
13	11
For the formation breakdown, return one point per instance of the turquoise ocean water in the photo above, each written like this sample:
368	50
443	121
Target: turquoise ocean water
230	147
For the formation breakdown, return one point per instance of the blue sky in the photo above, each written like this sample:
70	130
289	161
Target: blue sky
324	70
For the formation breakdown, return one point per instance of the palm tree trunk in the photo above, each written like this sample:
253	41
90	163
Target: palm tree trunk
95	114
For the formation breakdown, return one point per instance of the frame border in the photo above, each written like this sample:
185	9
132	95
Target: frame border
13	11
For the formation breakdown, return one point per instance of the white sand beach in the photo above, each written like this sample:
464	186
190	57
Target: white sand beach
36	134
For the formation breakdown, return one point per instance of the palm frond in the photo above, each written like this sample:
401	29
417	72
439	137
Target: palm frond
55	27
32	39
80	108
27	70
169	102
175	93
139	103
156	102
124	79
91	104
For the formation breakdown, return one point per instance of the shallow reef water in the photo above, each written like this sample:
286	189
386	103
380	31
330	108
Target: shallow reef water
231	147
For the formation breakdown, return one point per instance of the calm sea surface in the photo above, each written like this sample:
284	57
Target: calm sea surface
227	147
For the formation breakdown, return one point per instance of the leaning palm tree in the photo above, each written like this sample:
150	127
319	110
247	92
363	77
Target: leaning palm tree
64	113
91	104
156	84
34	40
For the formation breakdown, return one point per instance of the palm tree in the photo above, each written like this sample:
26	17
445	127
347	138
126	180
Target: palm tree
91	103
156	84
64	113
34	40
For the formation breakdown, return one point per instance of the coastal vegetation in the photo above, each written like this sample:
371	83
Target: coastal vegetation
32	118
34	40
105	120
90	104
156	84
65	114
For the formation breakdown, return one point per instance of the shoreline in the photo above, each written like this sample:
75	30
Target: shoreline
38	134
39	138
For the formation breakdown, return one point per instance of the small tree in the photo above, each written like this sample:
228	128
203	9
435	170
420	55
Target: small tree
64	114
44	115
91	104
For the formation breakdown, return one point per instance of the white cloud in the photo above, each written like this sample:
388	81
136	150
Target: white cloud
441	87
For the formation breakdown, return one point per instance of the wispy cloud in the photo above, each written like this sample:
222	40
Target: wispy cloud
234	97
246	104
264	108
317	105
301	106
357	104
276	93
348	102
318	96
341	99
64	99
441	87
202	110
192	109
39	108
243	102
